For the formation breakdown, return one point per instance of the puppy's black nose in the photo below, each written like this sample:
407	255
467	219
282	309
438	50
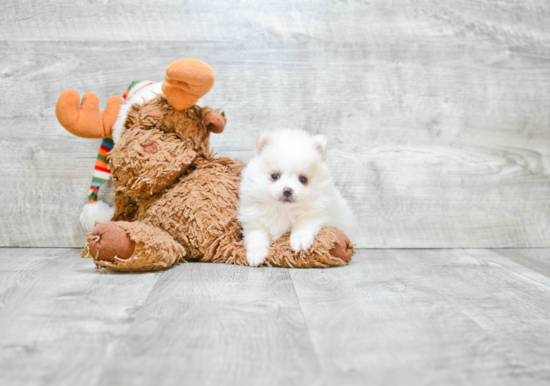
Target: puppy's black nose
288	192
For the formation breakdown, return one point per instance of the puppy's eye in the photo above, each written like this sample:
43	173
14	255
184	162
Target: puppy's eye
275	176
303	179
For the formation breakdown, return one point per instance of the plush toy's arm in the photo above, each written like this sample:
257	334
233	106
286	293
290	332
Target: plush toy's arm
125	207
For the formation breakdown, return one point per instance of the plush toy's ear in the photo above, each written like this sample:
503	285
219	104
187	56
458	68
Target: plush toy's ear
264	139
215	121
87	120
321	145
187	80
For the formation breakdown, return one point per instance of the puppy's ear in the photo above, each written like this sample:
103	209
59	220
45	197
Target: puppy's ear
264	139
321	145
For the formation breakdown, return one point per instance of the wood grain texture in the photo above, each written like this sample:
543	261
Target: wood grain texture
62	323
395	317
428	317
522	22
215	324
438	114
60	317
536	259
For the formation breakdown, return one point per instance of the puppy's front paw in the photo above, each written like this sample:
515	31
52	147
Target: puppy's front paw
301	240
256	256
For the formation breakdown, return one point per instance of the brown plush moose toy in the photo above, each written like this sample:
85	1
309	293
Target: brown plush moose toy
174	199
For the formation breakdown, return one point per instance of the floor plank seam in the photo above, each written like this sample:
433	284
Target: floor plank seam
116	341
317	357
513	271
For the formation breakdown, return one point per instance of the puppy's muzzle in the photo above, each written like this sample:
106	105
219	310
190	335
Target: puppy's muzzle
287	192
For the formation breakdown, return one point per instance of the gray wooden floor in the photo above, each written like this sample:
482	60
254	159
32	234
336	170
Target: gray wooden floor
392	317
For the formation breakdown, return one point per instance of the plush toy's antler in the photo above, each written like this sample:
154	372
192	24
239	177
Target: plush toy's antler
87	120
187	80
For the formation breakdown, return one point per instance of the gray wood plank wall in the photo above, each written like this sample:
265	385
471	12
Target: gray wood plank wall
438	113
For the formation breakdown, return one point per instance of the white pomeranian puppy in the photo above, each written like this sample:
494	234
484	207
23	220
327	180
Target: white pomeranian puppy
288	187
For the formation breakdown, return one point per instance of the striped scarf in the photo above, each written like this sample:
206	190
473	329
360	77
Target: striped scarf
134	87
102	171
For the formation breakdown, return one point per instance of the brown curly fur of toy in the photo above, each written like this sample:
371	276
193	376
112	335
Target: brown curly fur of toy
184	199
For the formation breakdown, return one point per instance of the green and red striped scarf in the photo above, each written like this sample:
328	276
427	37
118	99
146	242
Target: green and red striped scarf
102	171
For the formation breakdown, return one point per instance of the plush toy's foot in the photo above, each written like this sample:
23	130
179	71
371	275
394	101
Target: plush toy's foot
132	246
331	248
110	241
343	249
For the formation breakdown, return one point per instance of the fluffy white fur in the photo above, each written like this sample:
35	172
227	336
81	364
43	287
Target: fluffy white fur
98	211
266	213
118	127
